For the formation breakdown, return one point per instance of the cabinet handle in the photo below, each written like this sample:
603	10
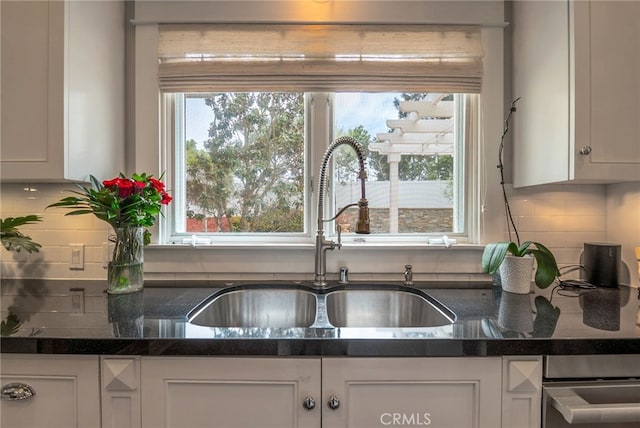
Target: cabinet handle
309	403
16	391
333	402
586	150
576	410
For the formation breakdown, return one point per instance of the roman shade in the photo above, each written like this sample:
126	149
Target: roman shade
237	57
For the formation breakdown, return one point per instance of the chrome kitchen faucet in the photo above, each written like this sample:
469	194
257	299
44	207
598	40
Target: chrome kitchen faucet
362	226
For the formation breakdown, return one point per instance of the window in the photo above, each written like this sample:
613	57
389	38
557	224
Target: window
414	150
241	162
254	106
241	159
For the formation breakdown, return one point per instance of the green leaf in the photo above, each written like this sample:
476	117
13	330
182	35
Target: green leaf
80	212
14	240
69	201
522	249
547	270
95	183
13	222
493	256
11	325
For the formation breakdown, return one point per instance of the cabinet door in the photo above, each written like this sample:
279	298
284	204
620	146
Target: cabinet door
67	391
575	68
438	392
32	114
62	90
542	121
607	62
229	392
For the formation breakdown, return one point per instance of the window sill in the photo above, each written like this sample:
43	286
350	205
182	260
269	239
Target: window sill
391	246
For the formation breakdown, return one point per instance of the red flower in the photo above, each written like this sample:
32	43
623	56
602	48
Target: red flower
166	198
121	201
125	187
110	183
157	184
138	186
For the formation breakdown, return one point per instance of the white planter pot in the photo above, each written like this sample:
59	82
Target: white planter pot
515	312
516	273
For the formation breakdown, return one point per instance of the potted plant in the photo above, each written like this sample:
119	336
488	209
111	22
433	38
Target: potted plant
129	205
515	264
14	240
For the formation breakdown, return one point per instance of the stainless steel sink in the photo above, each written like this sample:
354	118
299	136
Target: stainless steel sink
265	307
385	308
271	305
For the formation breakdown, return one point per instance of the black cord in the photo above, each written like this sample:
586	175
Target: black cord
571	288
570	268
507	208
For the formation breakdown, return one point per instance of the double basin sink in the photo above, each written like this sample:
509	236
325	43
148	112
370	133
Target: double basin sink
274	305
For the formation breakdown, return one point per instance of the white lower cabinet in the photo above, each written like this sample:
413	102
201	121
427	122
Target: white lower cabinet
340	392
66	391
279	392
437	392
230	392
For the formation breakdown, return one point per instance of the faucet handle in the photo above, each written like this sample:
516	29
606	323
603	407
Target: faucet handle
344	276
408	275
339	230
362	225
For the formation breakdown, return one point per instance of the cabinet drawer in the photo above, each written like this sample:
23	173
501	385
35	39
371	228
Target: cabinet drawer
66	391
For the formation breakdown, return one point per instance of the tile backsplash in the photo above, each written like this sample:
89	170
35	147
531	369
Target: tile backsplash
56	232
561	216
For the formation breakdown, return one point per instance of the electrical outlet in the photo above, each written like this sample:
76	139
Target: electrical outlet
77	300
76	260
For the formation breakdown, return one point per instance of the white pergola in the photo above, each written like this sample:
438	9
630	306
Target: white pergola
428	129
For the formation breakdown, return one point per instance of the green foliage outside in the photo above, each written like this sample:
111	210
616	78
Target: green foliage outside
251	168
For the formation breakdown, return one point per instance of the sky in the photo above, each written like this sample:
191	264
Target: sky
351	110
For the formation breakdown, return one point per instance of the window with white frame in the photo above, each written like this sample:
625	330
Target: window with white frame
252	121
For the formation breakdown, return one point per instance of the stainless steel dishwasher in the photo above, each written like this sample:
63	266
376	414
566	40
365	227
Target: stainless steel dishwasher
591	391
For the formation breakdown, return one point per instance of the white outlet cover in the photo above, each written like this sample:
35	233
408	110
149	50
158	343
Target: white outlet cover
76	256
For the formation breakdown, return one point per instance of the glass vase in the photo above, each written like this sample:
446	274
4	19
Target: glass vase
125	273
126	314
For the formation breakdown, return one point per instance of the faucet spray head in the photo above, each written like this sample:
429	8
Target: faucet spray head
362	225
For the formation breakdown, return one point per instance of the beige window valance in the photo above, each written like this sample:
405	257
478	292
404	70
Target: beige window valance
235	57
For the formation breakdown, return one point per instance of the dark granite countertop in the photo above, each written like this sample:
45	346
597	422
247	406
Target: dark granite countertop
70	318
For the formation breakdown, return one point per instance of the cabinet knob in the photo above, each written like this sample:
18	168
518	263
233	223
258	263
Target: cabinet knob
586	150
309	403
16	391
333	402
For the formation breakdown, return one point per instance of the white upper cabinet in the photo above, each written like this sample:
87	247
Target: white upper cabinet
62	90
576	67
